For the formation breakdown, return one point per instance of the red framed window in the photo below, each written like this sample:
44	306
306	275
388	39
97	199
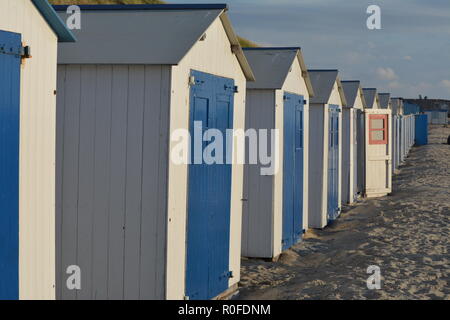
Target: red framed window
378	129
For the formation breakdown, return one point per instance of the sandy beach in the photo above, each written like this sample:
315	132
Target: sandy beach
406	234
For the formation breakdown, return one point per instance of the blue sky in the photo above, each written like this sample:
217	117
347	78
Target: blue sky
408	57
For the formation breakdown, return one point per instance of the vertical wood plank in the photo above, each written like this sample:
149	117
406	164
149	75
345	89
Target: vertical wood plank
119	111
134	182
102	181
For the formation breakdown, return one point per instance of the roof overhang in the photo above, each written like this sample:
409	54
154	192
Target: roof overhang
305	73
237	49
54	21
341	92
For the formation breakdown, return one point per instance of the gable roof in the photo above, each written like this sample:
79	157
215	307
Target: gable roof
145	34
54	21
271	67
396	104
351	90
384	100
370	95
323	82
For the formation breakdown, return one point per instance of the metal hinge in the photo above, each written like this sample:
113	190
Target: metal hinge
230	275
11	51
25	52
305	101
186	298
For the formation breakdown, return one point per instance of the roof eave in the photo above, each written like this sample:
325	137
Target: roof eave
341	92
54	21
305	73
363	98
235	42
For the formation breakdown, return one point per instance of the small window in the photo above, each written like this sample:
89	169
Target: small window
378	129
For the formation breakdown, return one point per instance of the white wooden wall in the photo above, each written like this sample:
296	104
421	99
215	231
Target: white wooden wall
260	216
213	55
37	149
112	157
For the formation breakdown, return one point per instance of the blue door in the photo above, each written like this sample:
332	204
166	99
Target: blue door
292	170
333	163
10	47
209	194
421	128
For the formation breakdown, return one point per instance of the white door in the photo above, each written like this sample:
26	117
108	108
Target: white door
378	153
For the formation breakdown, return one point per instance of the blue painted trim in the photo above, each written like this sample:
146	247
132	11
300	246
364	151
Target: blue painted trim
323	70
9	165
270	48
350	81
54	21
215	6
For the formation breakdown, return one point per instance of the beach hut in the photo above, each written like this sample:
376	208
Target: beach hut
142	216
437	116
325	152
29	35
372	98
276	201
421	130
378	181
396	104
352	140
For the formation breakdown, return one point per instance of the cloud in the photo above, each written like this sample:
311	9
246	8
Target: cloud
407	58
445	84
386	74
395	85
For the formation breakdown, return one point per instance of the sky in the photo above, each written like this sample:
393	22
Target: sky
409	56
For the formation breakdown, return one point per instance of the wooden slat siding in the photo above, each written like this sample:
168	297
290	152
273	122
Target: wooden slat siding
70	175
345	163
123	151
60	115
154	199
86	178
134	182
102	138
257	223
119	111
316	162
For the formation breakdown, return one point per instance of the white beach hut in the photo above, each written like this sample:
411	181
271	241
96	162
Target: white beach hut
352	140
378	168
139	220
276	201
325	152
29	34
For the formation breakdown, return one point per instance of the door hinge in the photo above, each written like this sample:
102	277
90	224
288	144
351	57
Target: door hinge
236	89
192	81
305	101
230	274
25	52
186	298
